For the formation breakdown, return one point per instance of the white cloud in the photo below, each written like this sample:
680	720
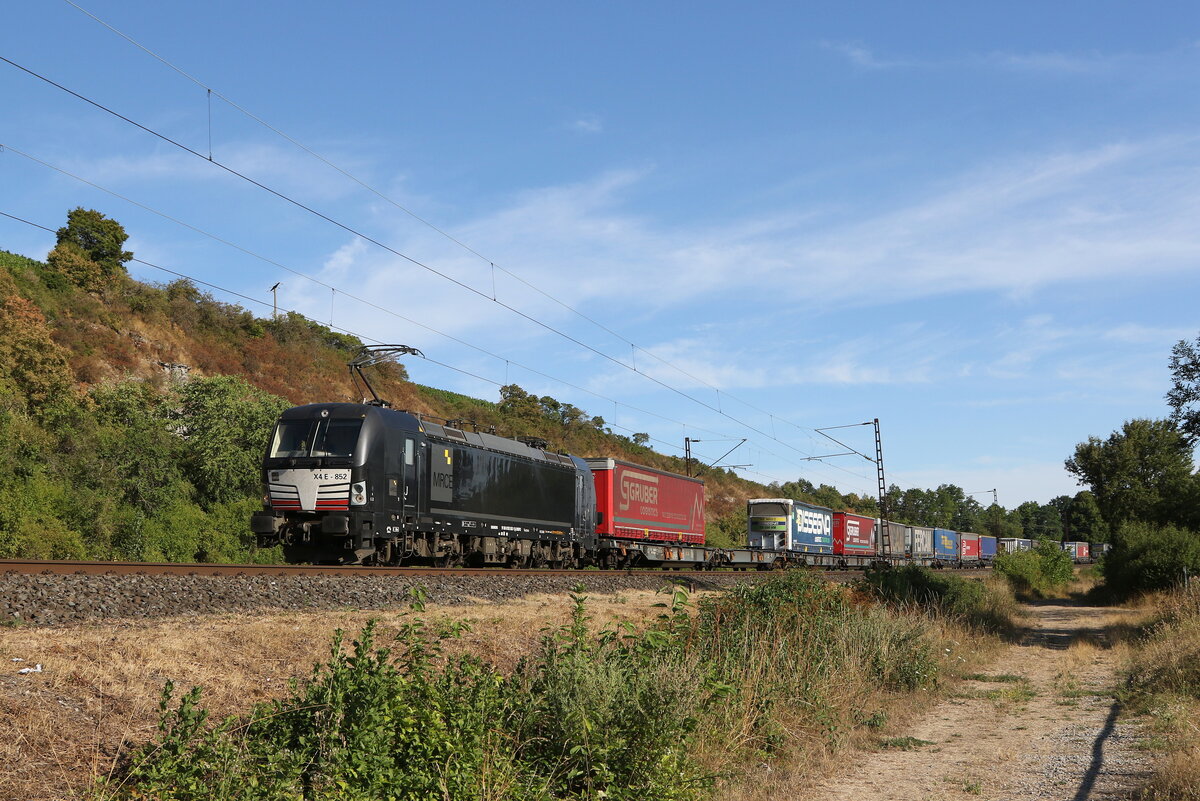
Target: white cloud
285	169
1038	63
1133	333
862	56
1053	62
1006	229
586	124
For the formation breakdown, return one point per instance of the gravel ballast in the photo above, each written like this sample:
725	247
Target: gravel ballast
55	599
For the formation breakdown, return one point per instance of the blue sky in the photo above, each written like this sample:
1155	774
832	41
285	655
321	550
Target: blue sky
974	222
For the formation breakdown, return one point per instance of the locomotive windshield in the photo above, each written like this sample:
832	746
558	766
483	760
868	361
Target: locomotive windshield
314	438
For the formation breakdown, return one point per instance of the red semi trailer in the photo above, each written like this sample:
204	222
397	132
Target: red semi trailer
853	535
640	503
968	547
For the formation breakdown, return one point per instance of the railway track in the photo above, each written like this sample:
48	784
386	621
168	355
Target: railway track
37	592
71	567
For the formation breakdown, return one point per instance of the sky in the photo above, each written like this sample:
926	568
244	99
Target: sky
974	222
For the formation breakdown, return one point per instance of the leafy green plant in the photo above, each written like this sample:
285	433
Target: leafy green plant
1040	572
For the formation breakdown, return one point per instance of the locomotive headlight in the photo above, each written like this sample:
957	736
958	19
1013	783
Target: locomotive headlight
358	493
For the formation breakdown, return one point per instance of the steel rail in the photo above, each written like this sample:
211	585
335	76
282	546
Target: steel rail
74	567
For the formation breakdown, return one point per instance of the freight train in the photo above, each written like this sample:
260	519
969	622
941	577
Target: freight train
361	483
350	483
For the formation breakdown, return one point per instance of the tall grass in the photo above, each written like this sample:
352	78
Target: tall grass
986	606
1164	683
670	712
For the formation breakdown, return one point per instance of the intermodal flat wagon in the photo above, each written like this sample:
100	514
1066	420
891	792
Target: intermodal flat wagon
1079	551
920	544
896	546
987	548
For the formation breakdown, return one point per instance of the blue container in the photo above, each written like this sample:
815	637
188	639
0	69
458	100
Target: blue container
945	544
812	529
987	547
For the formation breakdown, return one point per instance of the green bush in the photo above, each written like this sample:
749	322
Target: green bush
371	723
1041	572
611	716
1147	557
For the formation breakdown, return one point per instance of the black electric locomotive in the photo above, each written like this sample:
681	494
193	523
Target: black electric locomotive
351	483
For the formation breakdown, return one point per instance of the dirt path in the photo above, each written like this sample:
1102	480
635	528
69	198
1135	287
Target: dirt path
1039	725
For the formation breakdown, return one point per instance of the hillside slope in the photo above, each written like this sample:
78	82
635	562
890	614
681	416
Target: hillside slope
132	416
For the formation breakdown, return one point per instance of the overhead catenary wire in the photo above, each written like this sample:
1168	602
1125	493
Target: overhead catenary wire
384	309
147	208
718	409
444	365
210	92
406	257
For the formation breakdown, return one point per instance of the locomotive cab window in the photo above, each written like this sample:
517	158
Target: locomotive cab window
304	438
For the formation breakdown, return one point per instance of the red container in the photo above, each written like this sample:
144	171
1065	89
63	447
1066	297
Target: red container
853	534
641	503
1082	551
968	547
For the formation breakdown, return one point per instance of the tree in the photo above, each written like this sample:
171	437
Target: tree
89	251
1142	472
226	422
1082	521
34	373
1047	523
1184	396
997	522
1150	557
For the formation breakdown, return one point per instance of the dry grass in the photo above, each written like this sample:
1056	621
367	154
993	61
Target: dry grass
790	774
99	688
1177	777
1164	670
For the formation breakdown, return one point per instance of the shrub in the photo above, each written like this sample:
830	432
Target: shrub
371	723
611	716
1040	572
1147	557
